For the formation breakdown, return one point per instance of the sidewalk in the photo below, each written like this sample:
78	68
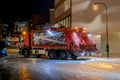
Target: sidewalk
110	60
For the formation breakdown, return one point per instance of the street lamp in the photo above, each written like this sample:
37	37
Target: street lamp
107	44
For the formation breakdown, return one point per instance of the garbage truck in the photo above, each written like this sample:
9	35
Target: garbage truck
58	43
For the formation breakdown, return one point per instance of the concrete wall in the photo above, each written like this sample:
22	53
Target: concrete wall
84	15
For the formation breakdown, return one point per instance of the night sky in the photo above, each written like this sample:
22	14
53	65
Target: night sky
11	9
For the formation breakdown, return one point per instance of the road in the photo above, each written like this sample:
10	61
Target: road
15	67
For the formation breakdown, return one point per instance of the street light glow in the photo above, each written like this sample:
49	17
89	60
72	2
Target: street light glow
24	32
95	7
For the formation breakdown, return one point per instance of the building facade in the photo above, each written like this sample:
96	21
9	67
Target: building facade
63	12
52	17
72	13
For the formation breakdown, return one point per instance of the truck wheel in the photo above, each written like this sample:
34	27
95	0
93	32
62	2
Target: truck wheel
73	57
74	54
92	53
52	54
25	53
62	54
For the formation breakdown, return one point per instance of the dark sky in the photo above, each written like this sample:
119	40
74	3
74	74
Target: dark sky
10	9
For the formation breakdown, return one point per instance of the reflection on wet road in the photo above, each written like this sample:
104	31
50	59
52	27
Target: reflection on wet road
15	67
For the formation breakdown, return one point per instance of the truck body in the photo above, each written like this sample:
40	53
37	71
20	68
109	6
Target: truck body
58	43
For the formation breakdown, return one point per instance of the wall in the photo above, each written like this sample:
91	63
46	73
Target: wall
83	15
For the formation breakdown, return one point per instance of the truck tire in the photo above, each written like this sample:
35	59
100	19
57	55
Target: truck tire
52	54
74	54
73	57
25	53
62	54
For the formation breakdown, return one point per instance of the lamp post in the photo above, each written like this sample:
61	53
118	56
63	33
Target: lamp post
107	44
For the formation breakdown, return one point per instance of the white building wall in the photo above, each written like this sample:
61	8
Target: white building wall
83	15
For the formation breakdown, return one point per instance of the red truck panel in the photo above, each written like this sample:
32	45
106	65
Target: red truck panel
48	38
61	38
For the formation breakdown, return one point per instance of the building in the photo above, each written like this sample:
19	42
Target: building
52	17
40	18
72	13
63	12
